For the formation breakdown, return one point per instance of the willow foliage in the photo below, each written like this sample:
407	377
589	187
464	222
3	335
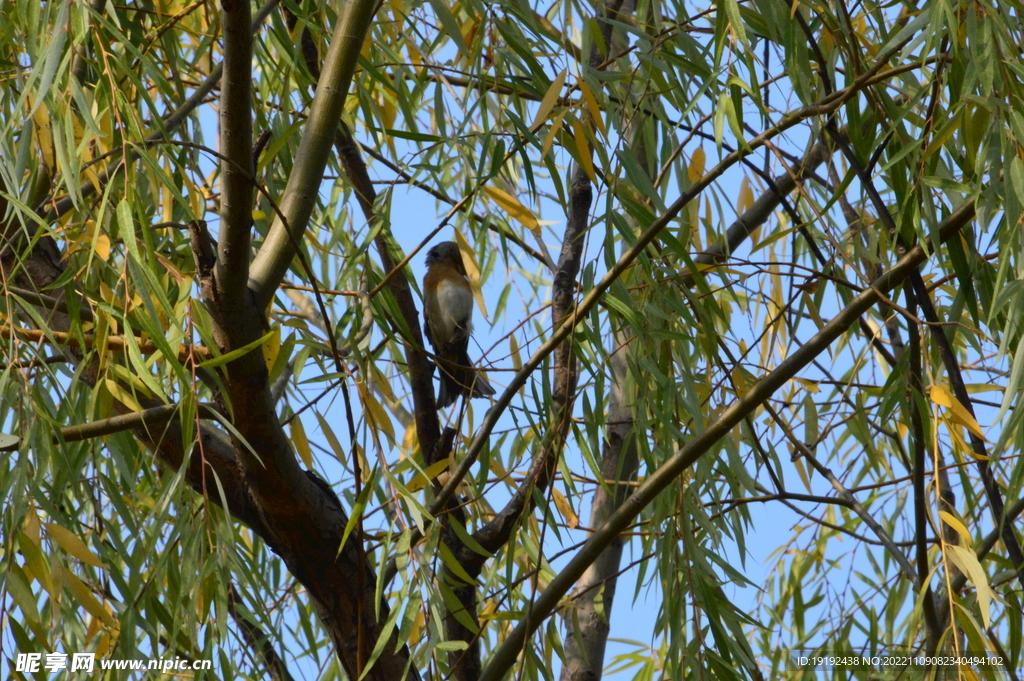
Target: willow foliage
746	273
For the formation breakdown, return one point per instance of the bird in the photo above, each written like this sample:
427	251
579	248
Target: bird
448	321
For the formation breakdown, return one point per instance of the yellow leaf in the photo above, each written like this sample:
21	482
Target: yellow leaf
549	100
388	113
272	346
743	203
955	523
94	628
32	528
739	381
472	271
376	416
44	135
696	169
70	542
511	205
86	599
102	247
808	385
549	139
494	465
94	178
195	196
381	383
301	442
121	395
104	645
595	110
746	197
969	565
136	301
583	148
513	347
968	673
409	441
107	294
812	310
565	508
259	215
957	411
420	480
419	623
35	565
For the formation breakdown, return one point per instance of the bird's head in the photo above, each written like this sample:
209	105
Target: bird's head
446	252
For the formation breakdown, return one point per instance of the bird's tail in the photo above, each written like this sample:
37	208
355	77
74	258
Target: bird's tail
458	379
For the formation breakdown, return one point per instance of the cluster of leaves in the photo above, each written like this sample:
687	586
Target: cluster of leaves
780	299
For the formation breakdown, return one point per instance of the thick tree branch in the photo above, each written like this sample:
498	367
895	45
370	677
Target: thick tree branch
236	169
586	624
212	467
297	514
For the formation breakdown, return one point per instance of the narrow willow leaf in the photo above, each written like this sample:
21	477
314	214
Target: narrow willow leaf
86	599
695	170
547	103
300	442
593	108
332	439
377	417
553	130
73	545
238	352
583	149
420	480
513	207
955	523
472	270
451	26
968	563
565	508
942	397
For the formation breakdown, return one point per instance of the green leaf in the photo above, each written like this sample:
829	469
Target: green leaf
451	26
221	360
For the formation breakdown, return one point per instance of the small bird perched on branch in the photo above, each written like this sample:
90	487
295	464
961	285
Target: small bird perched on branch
448	317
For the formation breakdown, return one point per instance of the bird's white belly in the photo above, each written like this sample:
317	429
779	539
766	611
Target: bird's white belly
456	308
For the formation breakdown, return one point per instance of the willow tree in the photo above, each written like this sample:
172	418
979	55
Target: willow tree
737	258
